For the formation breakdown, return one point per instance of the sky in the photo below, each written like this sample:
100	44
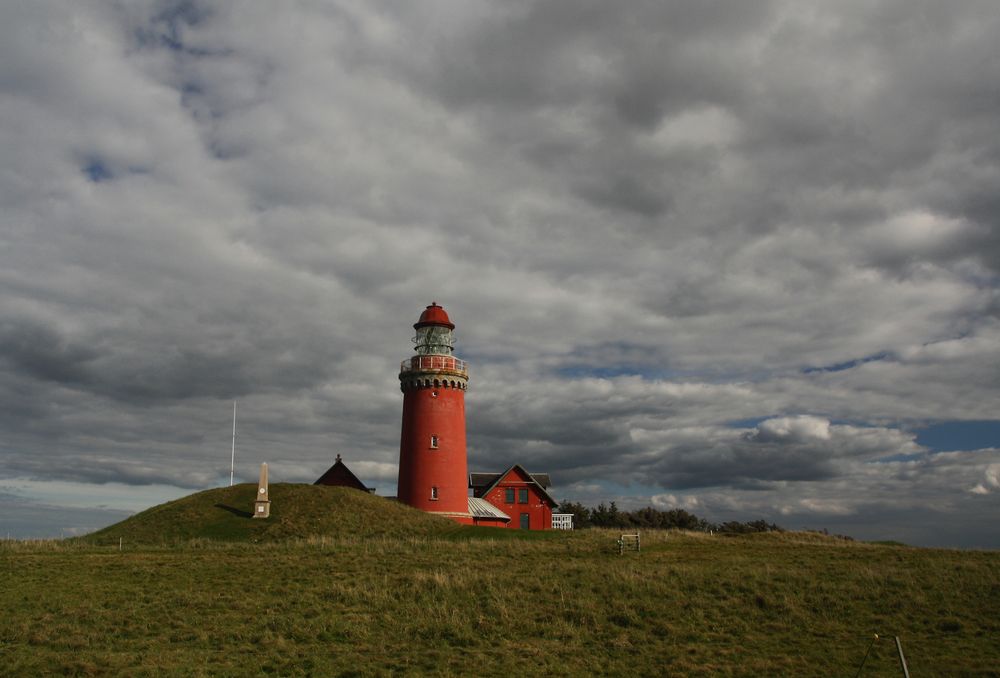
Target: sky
739	257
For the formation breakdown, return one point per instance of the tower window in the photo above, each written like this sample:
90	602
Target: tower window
434	493
434	442
434	394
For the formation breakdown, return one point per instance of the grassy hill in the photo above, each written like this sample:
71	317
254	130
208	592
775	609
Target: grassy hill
297	511
389	591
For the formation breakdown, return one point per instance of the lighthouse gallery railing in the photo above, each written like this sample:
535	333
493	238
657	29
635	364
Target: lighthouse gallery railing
420	363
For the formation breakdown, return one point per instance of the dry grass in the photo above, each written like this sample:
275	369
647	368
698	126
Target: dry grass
342	583
688	604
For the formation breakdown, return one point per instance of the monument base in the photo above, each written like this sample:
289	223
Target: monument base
261	509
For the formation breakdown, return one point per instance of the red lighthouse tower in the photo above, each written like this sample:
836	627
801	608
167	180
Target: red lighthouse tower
433	469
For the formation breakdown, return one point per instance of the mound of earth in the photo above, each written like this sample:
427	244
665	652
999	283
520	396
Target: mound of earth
297	511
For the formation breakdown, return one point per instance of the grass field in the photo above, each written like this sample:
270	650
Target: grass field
364	597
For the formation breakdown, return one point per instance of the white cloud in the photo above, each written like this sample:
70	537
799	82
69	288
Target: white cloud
793	429
992	474
647	223
671	501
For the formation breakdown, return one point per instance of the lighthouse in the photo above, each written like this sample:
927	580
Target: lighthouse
433	468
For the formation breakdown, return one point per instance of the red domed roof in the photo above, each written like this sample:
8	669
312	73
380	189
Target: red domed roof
434	315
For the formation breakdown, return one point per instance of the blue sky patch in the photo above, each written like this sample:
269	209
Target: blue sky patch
840	367
748	423
960	435
97	171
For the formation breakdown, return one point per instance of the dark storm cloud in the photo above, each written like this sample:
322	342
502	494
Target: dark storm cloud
531	55
801	448
41	353
647	221
865	98
574	88
108	366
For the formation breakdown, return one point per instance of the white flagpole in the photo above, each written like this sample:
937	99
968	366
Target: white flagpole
232	462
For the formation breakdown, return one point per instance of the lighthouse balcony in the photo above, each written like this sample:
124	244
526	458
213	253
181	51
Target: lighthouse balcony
435	363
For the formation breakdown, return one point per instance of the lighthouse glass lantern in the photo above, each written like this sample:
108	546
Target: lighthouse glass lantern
434	340
433	468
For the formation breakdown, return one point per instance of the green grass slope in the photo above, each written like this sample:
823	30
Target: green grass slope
687	605
297	511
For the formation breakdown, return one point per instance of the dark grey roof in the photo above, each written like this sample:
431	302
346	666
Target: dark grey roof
482	479
340	475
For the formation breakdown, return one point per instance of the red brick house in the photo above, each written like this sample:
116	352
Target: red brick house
519	494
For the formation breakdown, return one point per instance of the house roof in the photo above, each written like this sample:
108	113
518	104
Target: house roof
341	476
480	508
482	483
478	480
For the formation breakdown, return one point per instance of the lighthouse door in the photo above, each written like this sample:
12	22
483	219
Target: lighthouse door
525	521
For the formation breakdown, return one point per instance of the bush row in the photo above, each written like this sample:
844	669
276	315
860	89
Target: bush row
611	516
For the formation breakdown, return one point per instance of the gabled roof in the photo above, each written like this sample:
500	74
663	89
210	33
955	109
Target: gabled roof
478	480
480	508
341	476
482	483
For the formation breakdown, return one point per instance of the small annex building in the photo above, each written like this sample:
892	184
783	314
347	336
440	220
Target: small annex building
486	514
521	495
339	475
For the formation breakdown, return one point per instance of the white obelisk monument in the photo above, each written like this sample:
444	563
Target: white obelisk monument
262	506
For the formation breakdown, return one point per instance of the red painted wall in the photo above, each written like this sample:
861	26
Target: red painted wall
434	411
538	508
488	522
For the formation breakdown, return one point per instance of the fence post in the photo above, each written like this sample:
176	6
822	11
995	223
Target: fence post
902	659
